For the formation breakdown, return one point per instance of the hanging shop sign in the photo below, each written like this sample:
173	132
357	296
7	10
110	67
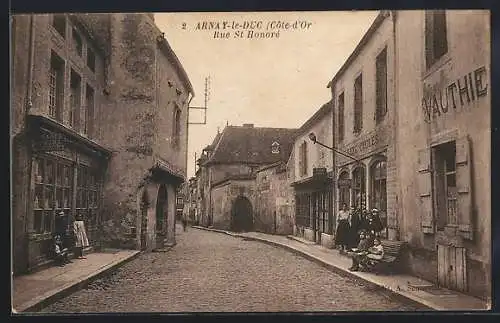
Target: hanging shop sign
471	87
319	173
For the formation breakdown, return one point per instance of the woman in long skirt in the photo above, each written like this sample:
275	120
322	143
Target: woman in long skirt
342	234
81	240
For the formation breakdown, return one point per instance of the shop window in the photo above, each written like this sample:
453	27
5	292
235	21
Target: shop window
436	43
302	210
75	98
381	86
59	24
53	192
378	173
445	185
56	86
88	115
344	190
77	42
90	59
359	188
323	211
340	121
176	129
358	104
303	159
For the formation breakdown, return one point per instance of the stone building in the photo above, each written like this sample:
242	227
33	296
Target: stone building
311	178
273	207
365	119
232	165
443	143
98	128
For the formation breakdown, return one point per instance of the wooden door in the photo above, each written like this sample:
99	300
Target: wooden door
452	269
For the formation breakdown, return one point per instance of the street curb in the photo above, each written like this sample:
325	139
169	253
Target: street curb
43	301
406	299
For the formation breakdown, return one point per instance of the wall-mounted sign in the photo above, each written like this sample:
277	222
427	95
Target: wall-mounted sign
344	182
363	145
319	172
463	91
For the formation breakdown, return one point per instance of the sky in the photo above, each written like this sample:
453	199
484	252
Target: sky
270	82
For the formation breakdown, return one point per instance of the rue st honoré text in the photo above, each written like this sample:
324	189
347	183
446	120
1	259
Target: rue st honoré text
248	29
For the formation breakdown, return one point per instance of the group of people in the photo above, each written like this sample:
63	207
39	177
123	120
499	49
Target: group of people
351	223
367	254
61	238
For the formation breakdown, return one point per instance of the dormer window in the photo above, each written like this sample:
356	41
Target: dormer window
275	148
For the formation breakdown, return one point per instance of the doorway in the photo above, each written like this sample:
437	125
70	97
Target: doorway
241	215
161	215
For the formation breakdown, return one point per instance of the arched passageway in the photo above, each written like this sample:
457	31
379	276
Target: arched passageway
241	215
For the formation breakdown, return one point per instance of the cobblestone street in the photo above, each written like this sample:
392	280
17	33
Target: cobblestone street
213	272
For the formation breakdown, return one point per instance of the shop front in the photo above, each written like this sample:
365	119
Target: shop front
314	218
67	172
362	184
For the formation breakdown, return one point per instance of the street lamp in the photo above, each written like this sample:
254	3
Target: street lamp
313	138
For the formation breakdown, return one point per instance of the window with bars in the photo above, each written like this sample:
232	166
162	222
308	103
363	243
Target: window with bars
446	184
381	86
77	42
59	24
358	104
436	43
75	98
340	121
56	86
53	192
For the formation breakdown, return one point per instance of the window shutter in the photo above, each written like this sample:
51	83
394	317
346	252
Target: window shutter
301	154
463	175
425	190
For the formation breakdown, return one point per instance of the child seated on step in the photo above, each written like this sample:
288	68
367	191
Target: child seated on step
61	253
374	255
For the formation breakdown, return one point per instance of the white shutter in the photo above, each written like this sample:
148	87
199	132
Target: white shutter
463	178
425	190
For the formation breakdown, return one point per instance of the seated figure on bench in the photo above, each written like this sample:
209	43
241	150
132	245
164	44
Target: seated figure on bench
61	253
358	254
374	255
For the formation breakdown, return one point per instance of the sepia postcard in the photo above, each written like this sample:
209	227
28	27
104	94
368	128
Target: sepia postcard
316	161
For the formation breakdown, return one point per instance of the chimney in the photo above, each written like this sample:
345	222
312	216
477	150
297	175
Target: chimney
248	125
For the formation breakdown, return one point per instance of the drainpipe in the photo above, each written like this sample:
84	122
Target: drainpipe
395	123
29	95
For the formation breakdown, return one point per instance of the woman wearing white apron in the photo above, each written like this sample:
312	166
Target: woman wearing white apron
81	240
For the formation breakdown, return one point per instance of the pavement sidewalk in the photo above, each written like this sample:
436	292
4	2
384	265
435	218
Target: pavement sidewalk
403	286
32	292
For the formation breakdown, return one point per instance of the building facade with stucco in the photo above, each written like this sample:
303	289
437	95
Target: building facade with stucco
443	93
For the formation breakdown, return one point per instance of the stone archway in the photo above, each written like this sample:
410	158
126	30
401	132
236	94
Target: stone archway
241	215
161	215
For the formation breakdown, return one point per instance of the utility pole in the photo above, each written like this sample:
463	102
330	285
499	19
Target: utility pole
207	98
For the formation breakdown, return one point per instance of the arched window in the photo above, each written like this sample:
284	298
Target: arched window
359	187
378	199
176	130
344	189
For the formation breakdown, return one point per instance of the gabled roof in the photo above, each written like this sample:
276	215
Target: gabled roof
316	117
252	145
